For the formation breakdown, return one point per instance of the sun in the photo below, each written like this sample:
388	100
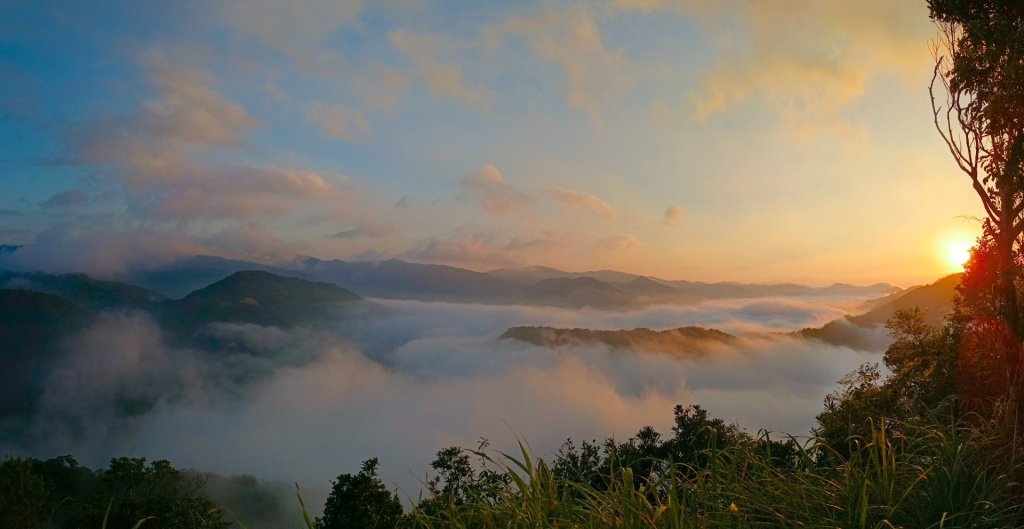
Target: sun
956	252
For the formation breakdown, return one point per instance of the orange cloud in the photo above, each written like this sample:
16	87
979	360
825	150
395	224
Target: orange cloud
808	60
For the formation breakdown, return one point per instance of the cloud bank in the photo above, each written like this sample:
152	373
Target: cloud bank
307	404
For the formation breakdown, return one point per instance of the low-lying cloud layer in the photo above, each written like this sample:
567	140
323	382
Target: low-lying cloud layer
307	404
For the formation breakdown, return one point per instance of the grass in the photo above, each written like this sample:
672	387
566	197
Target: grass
945	476
954	475
925	477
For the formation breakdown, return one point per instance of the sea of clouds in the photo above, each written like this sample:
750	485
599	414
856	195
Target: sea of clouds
408	378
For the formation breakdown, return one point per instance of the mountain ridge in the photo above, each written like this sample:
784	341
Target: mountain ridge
398	279
684	342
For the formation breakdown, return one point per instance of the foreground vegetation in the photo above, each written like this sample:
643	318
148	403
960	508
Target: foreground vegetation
941	472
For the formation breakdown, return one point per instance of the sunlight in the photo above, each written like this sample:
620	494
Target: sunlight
956	252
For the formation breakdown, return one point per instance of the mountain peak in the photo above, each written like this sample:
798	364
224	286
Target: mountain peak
265	298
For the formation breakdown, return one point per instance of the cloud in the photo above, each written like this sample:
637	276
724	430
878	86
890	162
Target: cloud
242	192
399	385
494	192
337	121
489	249
672	216
432	58
809	61
383	88
81	394
63	249
67	199
639	5
102	247
154	155
299	30
615	244
253	241
187	113
571	38
474	250
588	203
367	226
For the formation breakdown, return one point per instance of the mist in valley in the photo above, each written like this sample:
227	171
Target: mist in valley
407	378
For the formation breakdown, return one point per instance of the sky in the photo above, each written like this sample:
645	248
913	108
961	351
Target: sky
733	140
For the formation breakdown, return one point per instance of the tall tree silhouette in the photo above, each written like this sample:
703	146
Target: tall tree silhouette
979	65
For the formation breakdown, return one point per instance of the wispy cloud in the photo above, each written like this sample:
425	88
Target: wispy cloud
155	155
488	249
337	121
298	29
808	61
67	199
367	225
570	37
495	194
616	244
433	62
583	201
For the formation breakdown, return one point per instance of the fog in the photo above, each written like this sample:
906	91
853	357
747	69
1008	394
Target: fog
412	377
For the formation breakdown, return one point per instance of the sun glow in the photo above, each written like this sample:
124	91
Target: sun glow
956	252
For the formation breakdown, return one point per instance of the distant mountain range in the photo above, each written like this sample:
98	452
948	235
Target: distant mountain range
691	290
39	311
535	285
854	331
935	299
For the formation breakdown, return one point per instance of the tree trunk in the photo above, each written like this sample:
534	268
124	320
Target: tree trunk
1007	286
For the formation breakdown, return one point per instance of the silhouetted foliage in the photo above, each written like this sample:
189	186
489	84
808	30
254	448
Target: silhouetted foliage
361	501
457	480
979	65
61	493
852	410
22	494
920	361
156	491
987	364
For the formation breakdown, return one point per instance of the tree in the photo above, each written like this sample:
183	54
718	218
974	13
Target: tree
696	433
987	364
360	501
459	481
22	494
920	361
851	411
157	492
979	64
580	465
70	490
977	293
